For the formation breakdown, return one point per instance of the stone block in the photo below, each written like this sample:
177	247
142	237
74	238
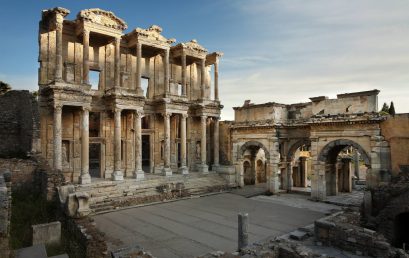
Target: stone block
48	233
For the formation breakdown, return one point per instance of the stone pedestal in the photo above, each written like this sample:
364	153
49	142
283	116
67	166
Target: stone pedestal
203	168
167	171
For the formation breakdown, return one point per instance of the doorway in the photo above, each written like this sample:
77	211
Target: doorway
402	230
146	153
95	159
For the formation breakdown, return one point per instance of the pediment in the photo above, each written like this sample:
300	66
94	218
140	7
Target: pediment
102	17
153	33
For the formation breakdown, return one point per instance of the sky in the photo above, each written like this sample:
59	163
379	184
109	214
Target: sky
274	51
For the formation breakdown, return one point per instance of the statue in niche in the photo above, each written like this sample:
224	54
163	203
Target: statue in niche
198	150
65	154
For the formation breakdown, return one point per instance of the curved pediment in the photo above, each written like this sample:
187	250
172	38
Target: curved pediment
102	17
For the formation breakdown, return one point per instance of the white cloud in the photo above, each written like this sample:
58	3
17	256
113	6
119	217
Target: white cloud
298	49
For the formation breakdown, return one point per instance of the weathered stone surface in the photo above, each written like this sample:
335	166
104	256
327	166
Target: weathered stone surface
48	233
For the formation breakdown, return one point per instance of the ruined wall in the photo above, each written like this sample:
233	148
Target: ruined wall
351	103
5	215
268	111
225	144
19	125
396	131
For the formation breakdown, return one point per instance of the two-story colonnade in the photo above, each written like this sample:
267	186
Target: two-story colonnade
115	105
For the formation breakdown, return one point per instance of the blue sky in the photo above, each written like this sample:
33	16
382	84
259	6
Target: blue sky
283	51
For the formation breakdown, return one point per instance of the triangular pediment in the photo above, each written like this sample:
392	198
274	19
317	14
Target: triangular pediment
102	17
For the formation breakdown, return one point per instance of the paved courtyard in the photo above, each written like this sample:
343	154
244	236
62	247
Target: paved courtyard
188	228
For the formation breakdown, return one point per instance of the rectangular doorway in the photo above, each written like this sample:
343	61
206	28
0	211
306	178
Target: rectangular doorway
95	160
146	153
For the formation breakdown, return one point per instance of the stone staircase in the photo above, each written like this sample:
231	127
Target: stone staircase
110	195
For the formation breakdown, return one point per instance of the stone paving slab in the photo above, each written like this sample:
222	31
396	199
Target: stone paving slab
189	228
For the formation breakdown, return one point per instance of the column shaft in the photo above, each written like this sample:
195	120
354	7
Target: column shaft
166	70
58	50
166	169
216	143
139	174
138	66
216	80
85	177
57	138
183	74
203	155
203	140
117	175
202	79
183	169
117	70
85	57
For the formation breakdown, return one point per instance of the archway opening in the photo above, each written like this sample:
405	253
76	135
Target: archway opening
346	164
248	175
297	171
401	226
254	156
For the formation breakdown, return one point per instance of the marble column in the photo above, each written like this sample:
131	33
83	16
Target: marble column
216	80
203	166
167	171
58	48
85	56
166	70
183	74
138	174
203	78
216	144
138	68
85	177
57	137
117	65
117	175
183	169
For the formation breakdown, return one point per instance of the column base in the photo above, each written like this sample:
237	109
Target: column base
167	171
85	179
117	176
215	167
139	175
183	170
203	168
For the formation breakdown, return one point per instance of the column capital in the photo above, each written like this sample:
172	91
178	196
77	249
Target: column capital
185	116
166	114
139	113
85	108
86	32
58	107
117	110
216	118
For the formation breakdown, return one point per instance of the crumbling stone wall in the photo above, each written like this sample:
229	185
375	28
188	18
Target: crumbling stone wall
225	143
342	230
21	170
396	131
5	215
19	124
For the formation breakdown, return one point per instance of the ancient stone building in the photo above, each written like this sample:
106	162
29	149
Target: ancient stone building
115	105
323	144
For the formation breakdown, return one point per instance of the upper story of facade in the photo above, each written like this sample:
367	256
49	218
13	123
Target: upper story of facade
92	54
356	105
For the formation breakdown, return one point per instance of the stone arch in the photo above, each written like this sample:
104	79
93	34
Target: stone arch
338	145
295	147
254	144
339	179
